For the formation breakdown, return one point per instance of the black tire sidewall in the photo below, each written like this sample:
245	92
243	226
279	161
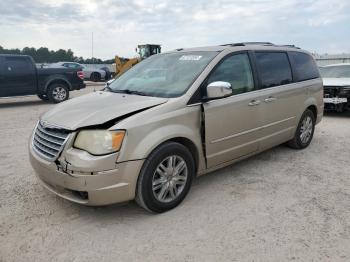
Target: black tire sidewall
50	93
297	134
148	169
95	77
43	97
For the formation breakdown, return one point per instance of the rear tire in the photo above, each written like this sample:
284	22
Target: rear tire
165	178
305	131
95	77
57	93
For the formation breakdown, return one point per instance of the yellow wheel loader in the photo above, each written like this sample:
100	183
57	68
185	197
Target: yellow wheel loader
143	51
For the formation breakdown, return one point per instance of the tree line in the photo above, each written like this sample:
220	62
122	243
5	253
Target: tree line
44	55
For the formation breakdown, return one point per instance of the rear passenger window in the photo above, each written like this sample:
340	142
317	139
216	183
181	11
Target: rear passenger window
236	70
304	66
274	69
16	65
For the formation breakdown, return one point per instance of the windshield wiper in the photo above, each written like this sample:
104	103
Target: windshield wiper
107	87
130	92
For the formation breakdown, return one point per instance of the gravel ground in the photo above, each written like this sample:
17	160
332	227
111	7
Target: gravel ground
280	205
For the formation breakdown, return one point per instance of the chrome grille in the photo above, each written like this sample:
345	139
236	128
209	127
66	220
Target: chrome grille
48	142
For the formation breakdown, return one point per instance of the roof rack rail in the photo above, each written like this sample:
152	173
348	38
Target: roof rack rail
292	46
248	43
260	43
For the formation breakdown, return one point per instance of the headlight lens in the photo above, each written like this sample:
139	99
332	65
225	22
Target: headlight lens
99	142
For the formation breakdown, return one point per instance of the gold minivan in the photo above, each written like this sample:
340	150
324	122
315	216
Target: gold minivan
173	117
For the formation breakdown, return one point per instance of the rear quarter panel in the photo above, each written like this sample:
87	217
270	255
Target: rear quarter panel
314	98
46	76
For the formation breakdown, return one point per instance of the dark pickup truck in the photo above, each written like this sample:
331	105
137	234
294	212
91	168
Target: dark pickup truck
20	76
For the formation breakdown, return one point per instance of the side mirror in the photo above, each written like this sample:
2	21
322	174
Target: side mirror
109	82
219	89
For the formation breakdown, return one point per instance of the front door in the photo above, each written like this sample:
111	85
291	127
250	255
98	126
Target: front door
232	123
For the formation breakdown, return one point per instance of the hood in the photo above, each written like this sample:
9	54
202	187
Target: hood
336	81
97	108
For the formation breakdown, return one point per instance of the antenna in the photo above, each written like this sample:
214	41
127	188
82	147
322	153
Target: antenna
92	46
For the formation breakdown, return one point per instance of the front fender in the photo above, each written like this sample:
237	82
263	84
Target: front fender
142	139
161	135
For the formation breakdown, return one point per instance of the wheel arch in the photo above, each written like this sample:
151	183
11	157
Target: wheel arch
140	146
58	81
310	104
313	109
189	144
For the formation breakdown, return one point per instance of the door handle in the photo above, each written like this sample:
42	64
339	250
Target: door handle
254	102
270	99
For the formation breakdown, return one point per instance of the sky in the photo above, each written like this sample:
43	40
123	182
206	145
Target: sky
118	26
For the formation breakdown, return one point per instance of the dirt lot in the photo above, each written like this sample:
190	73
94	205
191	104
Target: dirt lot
280	205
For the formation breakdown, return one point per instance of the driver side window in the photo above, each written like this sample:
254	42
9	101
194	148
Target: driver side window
235	70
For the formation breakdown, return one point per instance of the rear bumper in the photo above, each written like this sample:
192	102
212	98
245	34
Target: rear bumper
101	188
78	86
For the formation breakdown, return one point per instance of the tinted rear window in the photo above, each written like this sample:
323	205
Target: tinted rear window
16	65
304	66
274	69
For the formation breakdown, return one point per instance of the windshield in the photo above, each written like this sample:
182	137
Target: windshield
335	71
164	75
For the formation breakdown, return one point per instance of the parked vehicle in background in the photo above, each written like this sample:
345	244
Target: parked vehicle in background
94	75
108	72
336	81
19	76
174	116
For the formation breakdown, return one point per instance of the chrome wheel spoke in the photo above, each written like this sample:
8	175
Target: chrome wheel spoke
180	182
158	183
161	170
180	167
172	191
171	162
163	192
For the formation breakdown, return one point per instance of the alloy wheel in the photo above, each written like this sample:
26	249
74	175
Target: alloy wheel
169	179
306	129
59	93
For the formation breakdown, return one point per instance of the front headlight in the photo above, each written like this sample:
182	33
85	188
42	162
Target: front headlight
99	142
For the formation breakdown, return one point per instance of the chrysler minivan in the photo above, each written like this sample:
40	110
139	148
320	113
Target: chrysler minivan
175	116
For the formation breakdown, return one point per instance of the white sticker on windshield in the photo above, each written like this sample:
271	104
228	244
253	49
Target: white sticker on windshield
190	57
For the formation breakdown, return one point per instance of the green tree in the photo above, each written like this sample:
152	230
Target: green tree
44	55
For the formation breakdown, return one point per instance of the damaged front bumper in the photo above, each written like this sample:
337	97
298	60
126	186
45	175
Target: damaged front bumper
86	179
336	98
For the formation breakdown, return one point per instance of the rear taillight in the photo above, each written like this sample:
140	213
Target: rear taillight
80	74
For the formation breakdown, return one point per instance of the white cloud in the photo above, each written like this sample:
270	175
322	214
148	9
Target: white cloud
119	25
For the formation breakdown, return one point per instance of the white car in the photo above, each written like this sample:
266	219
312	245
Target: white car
336	82
89	73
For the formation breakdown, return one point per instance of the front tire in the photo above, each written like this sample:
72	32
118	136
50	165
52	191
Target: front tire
165	178
57	93
305	131
43	97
